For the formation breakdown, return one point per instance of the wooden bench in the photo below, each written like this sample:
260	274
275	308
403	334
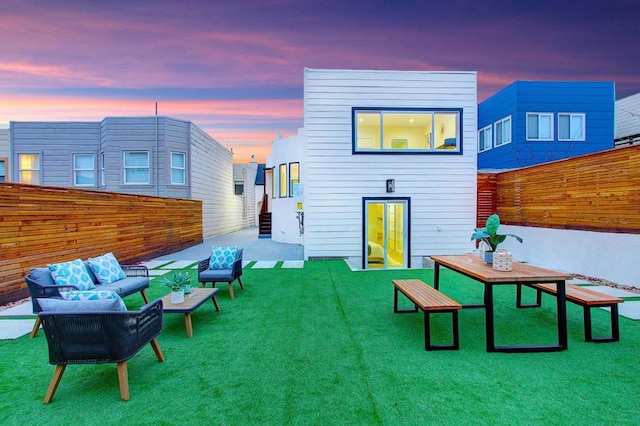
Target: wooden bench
584	297
430	301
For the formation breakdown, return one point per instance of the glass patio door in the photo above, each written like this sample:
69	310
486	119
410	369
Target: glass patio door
386	232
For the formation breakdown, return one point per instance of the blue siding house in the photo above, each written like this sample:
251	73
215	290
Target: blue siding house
532	122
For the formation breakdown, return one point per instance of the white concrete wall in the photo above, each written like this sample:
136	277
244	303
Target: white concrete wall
284	227
613	257
442	188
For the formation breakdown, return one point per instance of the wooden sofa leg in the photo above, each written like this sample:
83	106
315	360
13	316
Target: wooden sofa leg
157	350
240	282
123	379
36	327
231	291
144	296
55	381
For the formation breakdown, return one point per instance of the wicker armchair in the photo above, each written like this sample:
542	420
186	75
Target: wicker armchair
41	285
206	275
100	337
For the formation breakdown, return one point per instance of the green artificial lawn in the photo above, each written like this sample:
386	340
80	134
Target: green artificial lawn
322	346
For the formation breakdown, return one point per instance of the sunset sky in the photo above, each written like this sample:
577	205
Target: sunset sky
235	67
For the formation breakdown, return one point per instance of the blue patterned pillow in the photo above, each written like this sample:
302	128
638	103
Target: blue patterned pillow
72	273
106	268
222	257
93	295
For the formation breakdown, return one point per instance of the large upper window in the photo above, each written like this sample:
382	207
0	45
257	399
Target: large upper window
29	168
539	126
178	168
136	167
503	131
406	130
84	173
485	138
294	176
571	127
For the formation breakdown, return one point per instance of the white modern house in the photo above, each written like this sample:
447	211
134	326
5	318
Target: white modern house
158	156
4	154
387	165
627	126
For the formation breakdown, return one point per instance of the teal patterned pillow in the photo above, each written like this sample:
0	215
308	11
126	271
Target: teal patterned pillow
222	257
106	268
93	295
72	273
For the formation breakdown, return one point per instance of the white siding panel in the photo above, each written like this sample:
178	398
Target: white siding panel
212	183
442	188
628	116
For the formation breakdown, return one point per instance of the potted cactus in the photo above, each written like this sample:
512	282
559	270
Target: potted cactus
489	235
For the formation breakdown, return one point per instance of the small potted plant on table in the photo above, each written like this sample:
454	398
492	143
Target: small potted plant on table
489	235
177	282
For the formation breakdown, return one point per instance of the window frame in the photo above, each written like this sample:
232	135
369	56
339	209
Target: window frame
238	183
125	167
38	169
539	114
501	123
584	126
432	150
482	131
5	161
76	170
274	182
103	169
182	169
293	181
283	174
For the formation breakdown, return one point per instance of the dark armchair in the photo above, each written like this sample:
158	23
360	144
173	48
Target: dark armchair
98	338
41	285
206	275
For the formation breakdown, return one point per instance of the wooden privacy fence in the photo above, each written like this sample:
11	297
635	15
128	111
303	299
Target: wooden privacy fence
595	192
41	225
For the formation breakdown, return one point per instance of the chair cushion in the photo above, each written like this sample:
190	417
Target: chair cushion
106	268
62	305
127	286
213	275
92	295
222	257
42	276
72	273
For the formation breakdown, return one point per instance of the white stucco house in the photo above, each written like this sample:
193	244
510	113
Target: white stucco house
386	163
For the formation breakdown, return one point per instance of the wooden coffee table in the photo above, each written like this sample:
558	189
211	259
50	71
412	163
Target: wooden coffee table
191	303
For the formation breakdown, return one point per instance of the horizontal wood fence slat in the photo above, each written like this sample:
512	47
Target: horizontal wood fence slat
595	192
41	225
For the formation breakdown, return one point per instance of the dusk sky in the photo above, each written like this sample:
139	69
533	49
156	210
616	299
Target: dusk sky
235	67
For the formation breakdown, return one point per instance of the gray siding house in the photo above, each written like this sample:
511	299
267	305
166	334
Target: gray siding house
4	154
156	156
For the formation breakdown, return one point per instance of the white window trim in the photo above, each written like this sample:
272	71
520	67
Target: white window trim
92	169
584	126
183	168
550	115
505	141
39	169
124	168
486	129
103	169
390	110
